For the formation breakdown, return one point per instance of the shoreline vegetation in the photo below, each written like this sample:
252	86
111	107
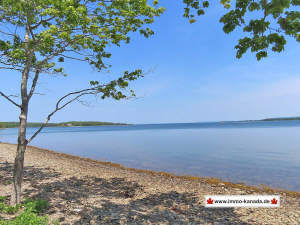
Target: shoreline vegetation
271	119
63	124
264	120
281	118
87	191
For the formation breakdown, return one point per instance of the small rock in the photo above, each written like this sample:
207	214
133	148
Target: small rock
219	223
77	210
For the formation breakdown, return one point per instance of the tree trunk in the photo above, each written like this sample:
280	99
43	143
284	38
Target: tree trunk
19	160
22	142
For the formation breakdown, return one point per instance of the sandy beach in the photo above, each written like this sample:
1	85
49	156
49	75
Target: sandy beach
85	191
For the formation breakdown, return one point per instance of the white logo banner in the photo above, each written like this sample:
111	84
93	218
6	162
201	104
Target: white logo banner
242	201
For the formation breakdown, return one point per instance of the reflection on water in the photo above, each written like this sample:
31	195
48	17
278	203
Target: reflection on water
253	153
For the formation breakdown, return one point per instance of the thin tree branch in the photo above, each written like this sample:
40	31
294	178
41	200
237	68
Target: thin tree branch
81	93
32	34
70	57
9	68
36	77
42	21
9	99
3	32
73	93
37	93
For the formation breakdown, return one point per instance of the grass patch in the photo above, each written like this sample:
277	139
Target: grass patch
29	212
3	198
26	218
9	209
37	206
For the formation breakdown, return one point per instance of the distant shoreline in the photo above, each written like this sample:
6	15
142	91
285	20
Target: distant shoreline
265	120
4	125
280	119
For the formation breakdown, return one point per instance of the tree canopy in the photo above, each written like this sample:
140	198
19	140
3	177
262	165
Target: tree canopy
266	23
39	35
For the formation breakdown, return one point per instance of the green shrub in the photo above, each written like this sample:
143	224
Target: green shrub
27	218
9	209
2	207
3	198
29	214
36	206
55	222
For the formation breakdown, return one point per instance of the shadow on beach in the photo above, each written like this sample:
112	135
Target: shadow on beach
31	174
92	200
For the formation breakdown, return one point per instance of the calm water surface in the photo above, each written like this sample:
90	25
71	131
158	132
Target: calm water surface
249	152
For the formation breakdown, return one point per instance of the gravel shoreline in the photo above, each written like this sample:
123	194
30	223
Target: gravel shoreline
85	191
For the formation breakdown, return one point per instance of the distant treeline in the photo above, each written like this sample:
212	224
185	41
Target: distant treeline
64	124
282	118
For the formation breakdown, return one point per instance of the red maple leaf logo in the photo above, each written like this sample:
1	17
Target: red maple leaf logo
274	201
210	201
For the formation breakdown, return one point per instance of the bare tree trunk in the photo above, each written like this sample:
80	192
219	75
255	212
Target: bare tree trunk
22	142
19	160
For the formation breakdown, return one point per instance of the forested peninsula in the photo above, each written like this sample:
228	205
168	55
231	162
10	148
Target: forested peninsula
281	118
268	119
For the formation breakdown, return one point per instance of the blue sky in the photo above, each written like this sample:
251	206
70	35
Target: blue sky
194	76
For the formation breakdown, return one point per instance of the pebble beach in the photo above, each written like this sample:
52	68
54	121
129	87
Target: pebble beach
86	191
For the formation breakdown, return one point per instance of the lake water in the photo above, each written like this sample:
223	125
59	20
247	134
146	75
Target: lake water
249	152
